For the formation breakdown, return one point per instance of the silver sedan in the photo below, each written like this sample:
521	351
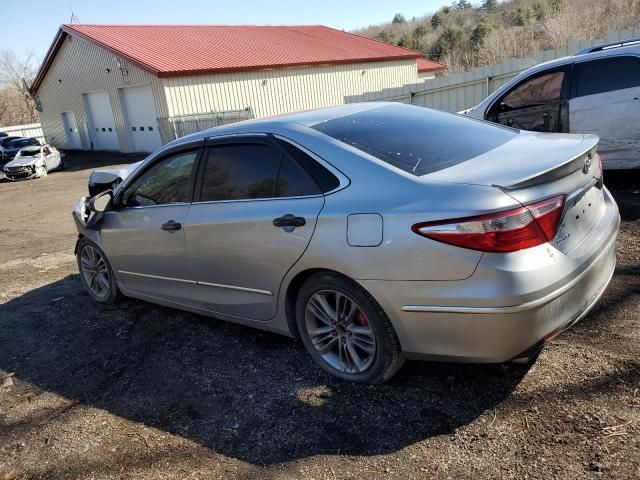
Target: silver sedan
374	232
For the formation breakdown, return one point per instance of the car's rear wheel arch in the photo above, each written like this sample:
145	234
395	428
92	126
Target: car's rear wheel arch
316	282
292	295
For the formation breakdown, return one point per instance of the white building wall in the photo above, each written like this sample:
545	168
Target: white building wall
273	92
81	67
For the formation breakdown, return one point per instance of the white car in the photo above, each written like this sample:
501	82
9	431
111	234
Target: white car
34	162
597	90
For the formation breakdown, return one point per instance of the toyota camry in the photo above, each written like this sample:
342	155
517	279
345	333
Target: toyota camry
373	232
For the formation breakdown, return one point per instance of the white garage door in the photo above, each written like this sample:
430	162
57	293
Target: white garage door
103	126
141	118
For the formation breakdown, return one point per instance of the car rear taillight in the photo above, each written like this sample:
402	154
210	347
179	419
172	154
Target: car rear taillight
507	231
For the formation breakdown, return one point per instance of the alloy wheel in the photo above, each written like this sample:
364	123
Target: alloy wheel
95	271
340	331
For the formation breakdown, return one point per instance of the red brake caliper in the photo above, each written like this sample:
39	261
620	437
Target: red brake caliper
361	320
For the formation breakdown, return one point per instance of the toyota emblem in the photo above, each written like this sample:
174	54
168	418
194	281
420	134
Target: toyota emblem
587	164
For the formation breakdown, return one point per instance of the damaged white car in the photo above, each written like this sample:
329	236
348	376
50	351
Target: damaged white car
34	162
597	90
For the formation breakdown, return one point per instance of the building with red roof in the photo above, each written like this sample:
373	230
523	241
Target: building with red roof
135	87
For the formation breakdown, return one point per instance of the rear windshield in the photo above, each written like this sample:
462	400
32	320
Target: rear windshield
414	139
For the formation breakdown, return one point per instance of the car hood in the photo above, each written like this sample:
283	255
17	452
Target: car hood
23	162
105	176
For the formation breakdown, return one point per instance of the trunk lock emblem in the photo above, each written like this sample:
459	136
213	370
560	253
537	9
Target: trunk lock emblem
587	164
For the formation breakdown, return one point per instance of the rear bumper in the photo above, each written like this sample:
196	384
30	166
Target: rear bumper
511	303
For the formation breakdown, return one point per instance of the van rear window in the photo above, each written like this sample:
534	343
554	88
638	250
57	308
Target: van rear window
415	139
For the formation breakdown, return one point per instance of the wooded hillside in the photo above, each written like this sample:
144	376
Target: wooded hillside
465	36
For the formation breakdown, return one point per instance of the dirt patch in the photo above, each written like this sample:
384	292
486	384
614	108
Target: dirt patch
142	391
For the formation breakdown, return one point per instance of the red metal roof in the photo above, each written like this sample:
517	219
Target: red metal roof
176	50
425	65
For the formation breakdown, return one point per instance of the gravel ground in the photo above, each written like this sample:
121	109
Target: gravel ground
142	391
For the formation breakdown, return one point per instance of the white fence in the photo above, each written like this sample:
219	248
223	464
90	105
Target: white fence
464	90
27	130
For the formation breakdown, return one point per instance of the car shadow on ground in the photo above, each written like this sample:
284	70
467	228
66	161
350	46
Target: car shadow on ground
247	394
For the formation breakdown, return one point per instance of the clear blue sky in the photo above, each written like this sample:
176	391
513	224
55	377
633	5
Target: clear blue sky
32	24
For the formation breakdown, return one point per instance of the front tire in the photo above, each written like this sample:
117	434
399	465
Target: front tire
346	331
96	273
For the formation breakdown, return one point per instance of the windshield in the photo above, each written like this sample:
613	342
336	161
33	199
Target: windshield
29	153
18	143
6	140
414	139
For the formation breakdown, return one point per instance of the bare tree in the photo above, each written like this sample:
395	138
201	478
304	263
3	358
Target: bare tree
16	75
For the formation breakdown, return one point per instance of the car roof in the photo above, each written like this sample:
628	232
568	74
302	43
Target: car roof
583	55
31	148
592	53
279	122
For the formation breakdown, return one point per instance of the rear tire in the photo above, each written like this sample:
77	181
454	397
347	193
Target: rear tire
96	273
346	331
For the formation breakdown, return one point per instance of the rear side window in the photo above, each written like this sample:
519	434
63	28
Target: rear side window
414	139
326	180
294	181
606	75
236	172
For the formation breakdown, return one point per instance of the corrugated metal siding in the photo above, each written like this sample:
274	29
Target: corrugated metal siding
25	130
464	90
81	67
273	92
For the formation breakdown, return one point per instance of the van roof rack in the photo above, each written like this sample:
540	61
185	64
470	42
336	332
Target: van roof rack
607	46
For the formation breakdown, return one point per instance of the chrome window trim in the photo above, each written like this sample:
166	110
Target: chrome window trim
126	209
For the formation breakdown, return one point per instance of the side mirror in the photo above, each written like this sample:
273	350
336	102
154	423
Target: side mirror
101	202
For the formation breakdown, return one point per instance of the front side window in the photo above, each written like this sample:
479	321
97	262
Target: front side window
236	172
606	75
164	183
535	91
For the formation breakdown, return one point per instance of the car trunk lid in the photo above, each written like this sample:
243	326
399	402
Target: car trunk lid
534	167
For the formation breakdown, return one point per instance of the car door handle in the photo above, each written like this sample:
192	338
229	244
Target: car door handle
171	226
289	220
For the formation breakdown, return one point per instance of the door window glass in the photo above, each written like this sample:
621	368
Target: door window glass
534	91
234	172
293	181
606	75
326	180
164	183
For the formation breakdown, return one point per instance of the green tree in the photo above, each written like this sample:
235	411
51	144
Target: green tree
384	36
398	18
450	39
523	15
462	5
436	20
489	5
419	32
407	41
480	31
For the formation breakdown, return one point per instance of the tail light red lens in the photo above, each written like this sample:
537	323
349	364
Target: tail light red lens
507	231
